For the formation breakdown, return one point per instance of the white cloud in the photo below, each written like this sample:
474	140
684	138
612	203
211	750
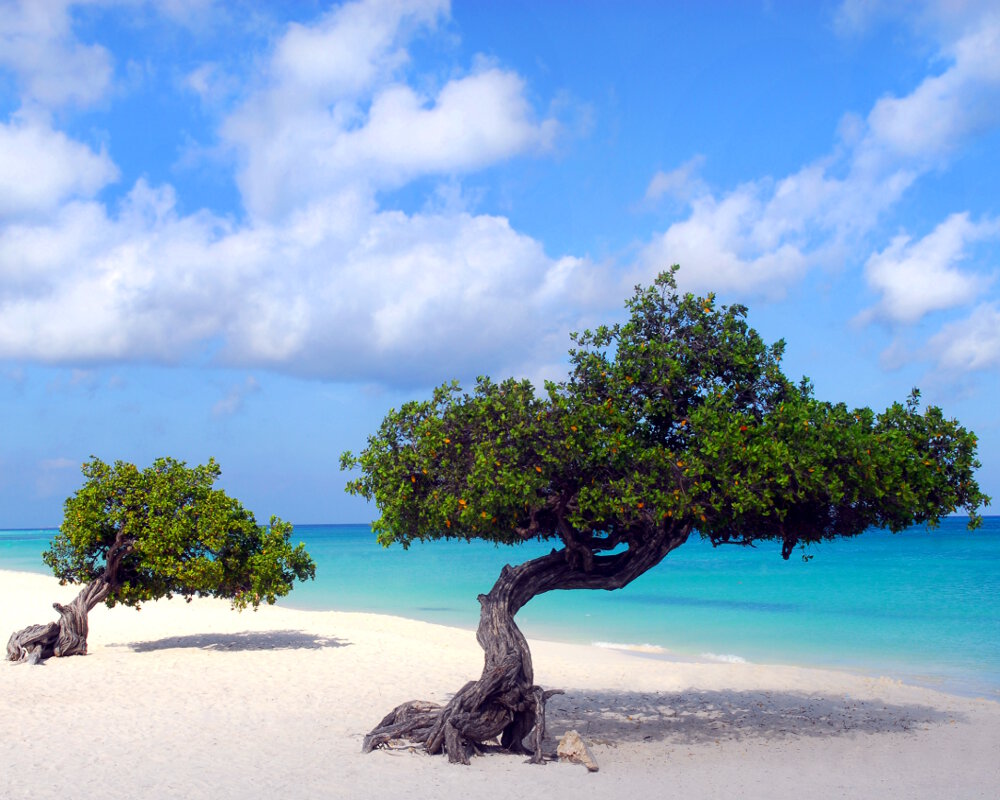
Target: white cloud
52	66
321	280
333	114
85	286
763	234
945	109
351	48
388	296
318	280
41	168
474	121
970	344
915	278
728	243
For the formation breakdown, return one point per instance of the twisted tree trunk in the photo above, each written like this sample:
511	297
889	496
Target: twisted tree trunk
65	637
505	702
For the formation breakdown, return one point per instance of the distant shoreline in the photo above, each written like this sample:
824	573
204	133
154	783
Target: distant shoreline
626	650
852	608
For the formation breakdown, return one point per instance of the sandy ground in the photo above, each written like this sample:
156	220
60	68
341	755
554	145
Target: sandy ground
197	701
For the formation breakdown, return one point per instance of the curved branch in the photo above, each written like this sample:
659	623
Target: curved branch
554	571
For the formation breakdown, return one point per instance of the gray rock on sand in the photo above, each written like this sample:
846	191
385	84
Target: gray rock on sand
572	748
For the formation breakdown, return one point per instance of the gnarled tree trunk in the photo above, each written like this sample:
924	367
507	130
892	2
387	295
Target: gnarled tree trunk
65	637
505	702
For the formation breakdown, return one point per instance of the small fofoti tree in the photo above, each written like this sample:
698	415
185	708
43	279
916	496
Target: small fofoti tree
677	422
131	536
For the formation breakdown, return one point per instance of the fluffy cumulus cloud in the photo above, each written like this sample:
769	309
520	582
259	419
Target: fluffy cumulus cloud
730	242
40	168
763	235
317	278
944	110
315	275
915	278
473	121
332	112
969	344
52	66
382	296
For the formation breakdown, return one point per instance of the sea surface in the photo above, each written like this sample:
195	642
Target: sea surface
921	606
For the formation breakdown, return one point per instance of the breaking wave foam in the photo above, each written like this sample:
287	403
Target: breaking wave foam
632	648
725	658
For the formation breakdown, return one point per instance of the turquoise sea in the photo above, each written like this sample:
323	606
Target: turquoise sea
922	606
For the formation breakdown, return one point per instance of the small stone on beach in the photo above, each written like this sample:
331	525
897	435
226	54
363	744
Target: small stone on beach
572	748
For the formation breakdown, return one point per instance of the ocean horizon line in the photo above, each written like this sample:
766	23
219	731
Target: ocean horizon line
924	606
21	529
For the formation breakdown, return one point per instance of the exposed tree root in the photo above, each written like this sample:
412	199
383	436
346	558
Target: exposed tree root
505	703
66	637
470	723
33	644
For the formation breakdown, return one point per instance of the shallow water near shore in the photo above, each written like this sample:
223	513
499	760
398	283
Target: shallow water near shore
922	606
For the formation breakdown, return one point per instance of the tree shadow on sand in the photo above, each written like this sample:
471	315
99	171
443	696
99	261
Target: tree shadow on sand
714	716
245	640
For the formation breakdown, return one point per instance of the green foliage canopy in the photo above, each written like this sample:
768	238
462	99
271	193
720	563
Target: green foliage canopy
680	418
165	530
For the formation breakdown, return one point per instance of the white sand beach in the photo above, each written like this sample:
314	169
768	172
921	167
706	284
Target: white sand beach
197	701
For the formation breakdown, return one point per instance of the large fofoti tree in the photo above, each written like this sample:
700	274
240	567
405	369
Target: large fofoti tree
131	536
677	422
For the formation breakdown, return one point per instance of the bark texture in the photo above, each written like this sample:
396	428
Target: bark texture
65	637
504	707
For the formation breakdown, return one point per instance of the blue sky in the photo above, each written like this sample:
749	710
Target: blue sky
248	230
